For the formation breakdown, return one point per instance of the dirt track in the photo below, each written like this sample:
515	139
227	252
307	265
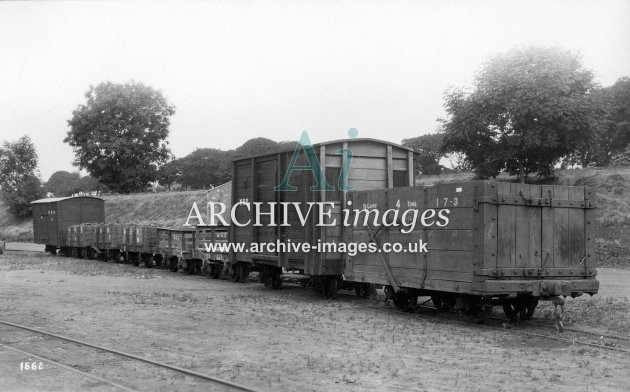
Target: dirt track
272	340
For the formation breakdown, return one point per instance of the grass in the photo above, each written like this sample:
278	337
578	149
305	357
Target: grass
14	229
166	209
611	313
15	261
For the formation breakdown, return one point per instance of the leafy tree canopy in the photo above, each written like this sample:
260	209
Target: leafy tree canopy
429	149
63	183
119	134
259	145
527	109
613	135
207	167
19	181
204	167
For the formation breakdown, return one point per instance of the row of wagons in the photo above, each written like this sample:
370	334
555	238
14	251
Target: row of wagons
174	248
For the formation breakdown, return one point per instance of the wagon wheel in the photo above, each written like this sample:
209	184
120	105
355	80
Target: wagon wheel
174	267
245	267
148	261
136	260
276	280
215	271
528	308
332	287
405	301
235	272
511	310
443	302
158	260
372	293
361	290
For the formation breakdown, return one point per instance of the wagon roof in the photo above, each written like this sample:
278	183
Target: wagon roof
291	148
56	199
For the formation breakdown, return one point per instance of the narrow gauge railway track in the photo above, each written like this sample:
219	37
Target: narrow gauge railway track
490	323
217	381
569	329
515	329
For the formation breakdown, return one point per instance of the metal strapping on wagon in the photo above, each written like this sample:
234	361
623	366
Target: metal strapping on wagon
388	271
532	201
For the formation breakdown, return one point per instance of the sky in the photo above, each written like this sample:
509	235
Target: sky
235	70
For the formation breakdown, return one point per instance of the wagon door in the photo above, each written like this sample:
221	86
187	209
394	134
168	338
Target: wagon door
536	231
266	180
52	224
242	192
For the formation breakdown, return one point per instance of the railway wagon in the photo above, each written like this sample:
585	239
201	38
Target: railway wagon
503	244
52	216
71	247
214	261
87	238
140	242
110	241
364	164
174	246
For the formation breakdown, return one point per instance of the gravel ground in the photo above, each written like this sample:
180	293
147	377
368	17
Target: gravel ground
270	340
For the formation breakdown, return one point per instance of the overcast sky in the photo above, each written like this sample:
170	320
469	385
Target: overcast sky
242	69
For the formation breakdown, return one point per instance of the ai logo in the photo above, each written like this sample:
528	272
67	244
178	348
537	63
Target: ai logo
315	167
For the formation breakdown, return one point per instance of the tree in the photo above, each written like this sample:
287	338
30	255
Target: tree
63	183
621	158
613	134
255	146
119	135
429	149
204	167
88	184
528	108
169	173
18	176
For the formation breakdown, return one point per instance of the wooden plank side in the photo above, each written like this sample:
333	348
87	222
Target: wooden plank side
457	195
577	240
361	148
359	163
367	184
364	174
390	168
506	233
535	230
450	275
561	252
521	225
488	228
399	153
449	239
450	260
400	164
447	285
589	231
547	229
